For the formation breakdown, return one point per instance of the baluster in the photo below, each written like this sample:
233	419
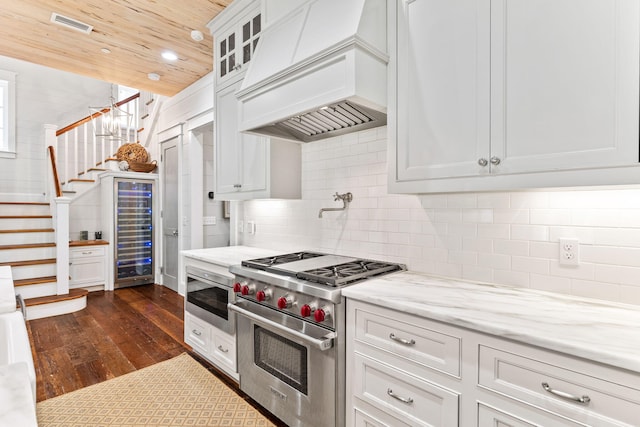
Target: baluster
74	171
66	157
85	154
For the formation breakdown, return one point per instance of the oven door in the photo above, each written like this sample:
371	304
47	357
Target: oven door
286	365
207	298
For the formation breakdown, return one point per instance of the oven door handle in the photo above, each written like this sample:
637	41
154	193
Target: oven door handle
321	344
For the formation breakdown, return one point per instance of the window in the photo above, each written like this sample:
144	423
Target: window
7	114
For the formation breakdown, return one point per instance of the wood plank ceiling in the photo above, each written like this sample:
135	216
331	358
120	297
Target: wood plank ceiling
135	31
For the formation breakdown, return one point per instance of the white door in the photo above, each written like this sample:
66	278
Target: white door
170	214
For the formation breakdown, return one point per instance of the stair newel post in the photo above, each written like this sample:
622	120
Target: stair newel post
61	221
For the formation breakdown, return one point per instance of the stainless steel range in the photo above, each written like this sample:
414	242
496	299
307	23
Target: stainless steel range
291	332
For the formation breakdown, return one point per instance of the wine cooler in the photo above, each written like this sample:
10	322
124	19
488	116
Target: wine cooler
133	233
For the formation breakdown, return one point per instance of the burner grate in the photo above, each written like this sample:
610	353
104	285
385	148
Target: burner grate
341	274
264	263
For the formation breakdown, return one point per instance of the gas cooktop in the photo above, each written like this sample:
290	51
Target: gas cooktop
325	269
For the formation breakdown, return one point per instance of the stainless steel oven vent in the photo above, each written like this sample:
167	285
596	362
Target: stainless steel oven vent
332	120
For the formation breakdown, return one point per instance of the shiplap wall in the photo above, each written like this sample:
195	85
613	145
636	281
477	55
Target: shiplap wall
43	96
507	238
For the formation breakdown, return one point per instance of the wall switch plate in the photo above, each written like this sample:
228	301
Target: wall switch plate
209	220
251	227
569	252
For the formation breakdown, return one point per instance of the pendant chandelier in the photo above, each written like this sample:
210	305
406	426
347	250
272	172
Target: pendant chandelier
111	122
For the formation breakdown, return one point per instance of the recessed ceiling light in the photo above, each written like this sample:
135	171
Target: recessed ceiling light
197	35
169	56
105	50
153	76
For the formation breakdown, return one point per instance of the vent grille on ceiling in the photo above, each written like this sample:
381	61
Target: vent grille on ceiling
71	23
328	119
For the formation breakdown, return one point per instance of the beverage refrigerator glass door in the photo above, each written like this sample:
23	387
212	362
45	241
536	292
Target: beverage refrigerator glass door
133	232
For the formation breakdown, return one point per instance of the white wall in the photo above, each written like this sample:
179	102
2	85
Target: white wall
501	237
43	96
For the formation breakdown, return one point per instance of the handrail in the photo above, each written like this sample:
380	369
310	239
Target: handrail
92	116
56	180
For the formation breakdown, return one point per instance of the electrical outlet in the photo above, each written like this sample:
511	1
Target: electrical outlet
569	252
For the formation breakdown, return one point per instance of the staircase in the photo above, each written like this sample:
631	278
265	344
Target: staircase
29	248
33	241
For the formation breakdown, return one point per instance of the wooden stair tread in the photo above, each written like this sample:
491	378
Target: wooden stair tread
25	216
29	262
28	246
82	180
34	281
73	294
25	203
97	170
30	230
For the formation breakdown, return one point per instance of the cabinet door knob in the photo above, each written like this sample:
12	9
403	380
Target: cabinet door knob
483	162
495	160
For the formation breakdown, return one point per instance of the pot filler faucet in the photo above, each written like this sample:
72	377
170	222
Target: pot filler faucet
346	199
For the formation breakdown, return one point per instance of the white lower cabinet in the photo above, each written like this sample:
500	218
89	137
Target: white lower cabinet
409	370
211	343
87	266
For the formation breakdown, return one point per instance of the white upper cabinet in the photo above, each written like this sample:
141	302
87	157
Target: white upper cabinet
235	42
247	166
489	95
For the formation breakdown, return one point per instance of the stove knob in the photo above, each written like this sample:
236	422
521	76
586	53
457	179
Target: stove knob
237	287
321	314
307	309
285	302
264	295
248	289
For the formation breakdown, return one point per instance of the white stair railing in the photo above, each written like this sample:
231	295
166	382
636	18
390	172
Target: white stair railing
79	150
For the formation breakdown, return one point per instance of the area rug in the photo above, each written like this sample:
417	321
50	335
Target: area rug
176	392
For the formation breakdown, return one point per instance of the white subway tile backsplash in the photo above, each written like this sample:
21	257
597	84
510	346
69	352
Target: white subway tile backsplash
530	232
508	238
511	247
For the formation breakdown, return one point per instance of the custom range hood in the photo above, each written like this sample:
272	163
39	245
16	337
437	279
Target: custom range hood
320	71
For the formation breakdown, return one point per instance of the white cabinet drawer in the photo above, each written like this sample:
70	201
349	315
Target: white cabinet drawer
363	418
224	349
418	402
523	378
197	334
87	251
489	416
410	337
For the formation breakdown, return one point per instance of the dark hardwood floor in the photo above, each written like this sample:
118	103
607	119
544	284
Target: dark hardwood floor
119	332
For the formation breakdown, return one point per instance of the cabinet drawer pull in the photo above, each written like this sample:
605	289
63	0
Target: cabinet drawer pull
406	400
196	332
224	350
579	399
87	253
401	340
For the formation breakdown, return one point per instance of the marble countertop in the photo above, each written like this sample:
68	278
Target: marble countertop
18	408
7	293
228	255
597	330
